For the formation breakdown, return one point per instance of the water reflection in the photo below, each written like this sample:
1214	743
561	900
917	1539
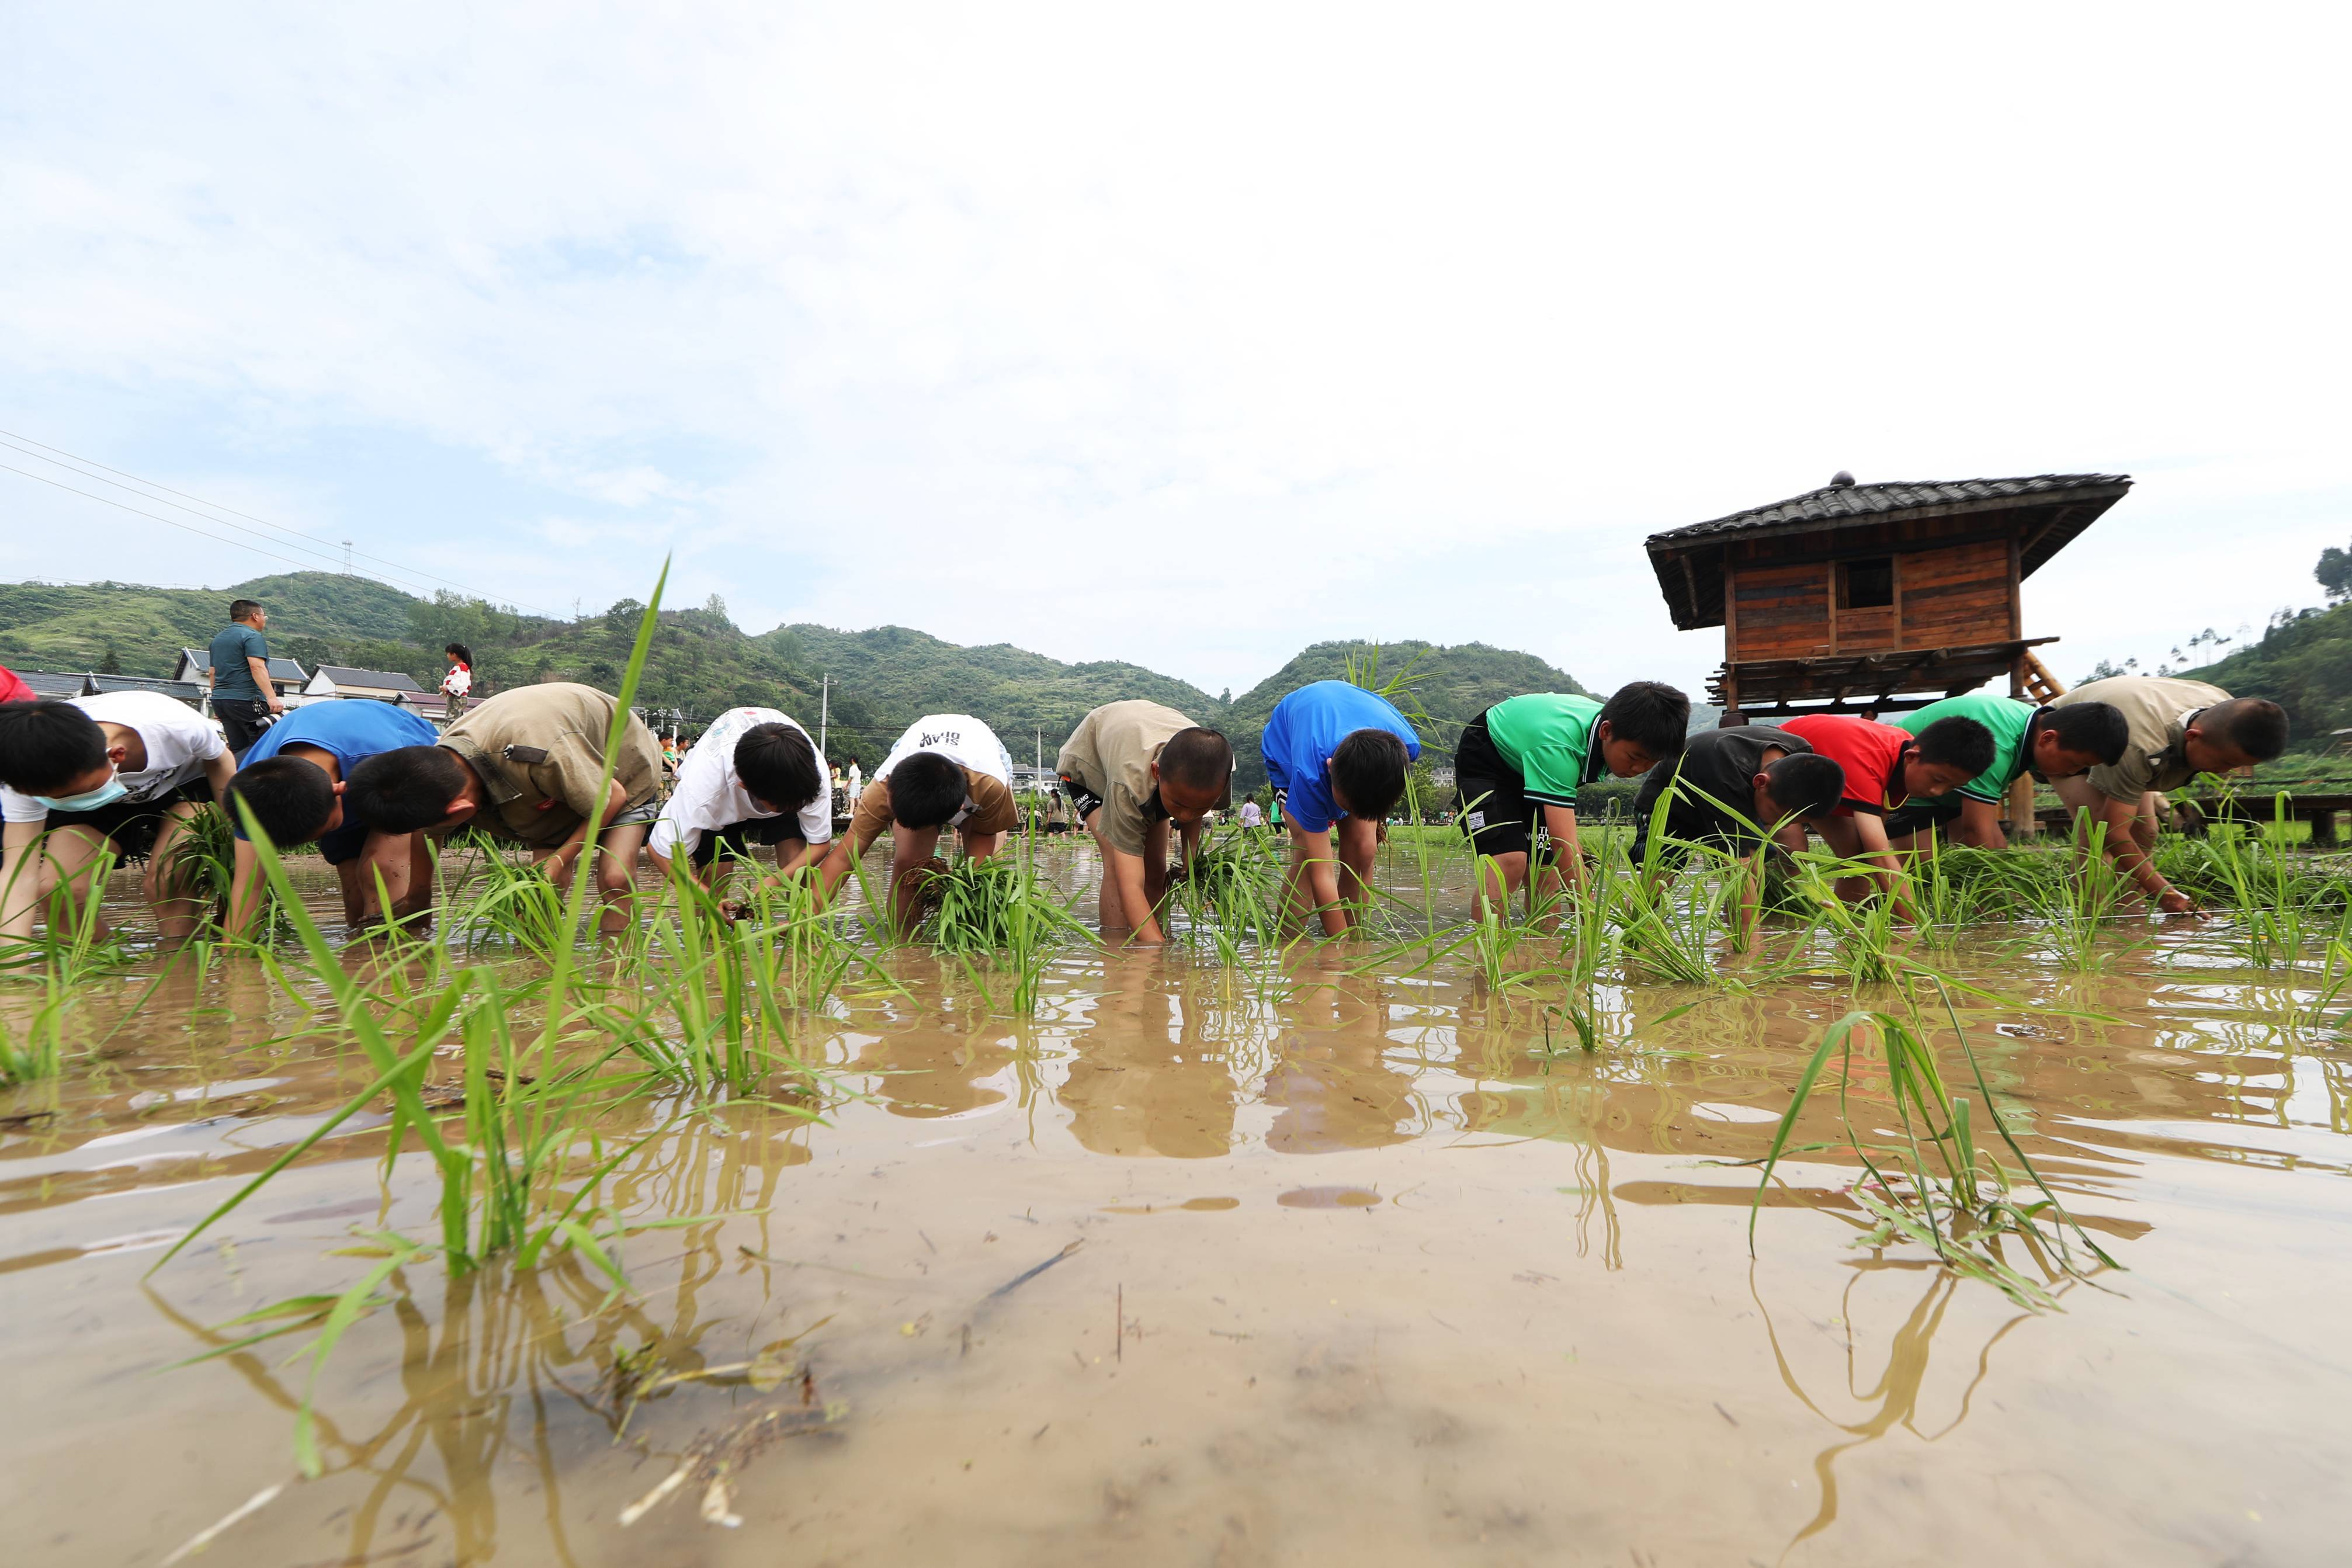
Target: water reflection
1148	1075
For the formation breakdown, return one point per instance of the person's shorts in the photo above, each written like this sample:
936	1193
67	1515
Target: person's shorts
737	840
1496	812
242	720
645	813
131	827
1938	811
343	845
1085	801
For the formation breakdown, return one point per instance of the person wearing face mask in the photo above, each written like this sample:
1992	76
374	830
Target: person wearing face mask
1133	770
123	770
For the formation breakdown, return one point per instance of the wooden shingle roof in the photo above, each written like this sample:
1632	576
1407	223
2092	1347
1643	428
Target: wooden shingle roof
2048	509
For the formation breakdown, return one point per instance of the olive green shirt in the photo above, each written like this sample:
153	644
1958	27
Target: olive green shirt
1110	754
540	753
2157	709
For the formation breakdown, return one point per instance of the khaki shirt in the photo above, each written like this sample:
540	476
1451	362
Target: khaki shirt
540	753
2157	710
1110	754
991	810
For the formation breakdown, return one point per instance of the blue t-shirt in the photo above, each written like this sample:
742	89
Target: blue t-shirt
232	646
1305	727
349	729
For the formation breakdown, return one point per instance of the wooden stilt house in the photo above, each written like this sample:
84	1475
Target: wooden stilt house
1880	597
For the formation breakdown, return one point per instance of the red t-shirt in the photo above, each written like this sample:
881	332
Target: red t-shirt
15	690
1870	752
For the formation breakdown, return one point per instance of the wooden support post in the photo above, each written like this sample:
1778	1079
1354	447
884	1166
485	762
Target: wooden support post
2022	822
2323	830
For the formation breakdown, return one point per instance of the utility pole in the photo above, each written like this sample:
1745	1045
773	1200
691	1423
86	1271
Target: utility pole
823	712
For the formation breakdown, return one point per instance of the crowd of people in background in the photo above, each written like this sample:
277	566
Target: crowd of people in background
374	784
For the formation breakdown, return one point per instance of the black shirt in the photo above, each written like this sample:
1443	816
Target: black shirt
1718	763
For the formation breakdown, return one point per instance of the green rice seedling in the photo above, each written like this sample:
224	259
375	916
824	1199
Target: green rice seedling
1929	1182
801	956
1231	895
2077	911
1866	941
514	902
1000	909
723	1036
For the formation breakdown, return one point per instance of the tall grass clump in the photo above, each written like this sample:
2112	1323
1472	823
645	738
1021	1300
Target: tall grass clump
1231	896
1928	1180
999	916
48	975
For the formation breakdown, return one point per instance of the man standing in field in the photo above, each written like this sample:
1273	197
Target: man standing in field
2055	742
2176	729
1133	769
244	699
1519	764
1337	755
528	766
948	770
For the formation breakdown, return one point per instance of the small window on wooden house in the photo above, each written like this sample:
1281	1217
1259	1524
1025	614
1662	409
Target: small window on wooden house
1866	584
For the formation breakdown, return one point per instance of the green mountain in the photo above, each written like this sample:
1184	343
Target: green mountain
895	676
2304	663
881	681
1451	685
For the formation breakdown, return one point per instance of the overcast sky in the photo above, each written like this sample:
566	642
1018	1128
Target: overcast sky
1184	335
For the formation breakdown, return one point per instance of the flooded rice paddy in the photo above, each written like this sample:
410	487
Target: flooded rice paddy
1275	1262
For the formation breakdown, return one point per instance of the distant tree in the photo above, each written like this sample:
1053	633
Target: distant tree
110	662
2335	574
1225	697
623	617
715	606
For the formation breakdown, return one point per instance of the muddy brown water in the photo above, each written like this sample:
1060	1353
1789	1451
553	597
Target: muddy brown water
1198	1268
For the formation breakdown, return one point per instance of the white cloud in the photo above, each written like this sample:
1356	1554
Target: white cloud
1185	338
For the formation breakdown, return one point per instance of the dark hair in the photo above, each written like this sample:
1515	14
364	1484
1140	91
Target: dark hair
291	798
1197	759
1651	714
1368	767
2095	729
45	744
1805	783
405	789
2254	725
1955	741
778	765
240	609
462	654
926	789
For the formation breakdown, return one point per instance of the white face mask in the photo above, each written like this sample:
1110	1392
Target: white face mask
107	793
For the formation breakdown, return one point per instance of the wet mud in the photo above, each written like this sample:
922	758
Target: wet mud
1205	1266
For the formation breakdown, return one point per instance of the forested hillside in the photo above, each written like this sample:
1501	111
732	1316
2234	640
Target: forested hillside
2304	663
882	679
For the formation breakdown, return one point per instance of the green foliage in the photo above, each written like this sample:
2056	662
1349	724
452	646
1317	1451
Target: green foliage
2304	663
1450	685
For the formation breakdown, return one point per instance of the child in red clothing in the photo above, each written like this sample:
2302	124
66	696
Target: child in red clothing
1885	766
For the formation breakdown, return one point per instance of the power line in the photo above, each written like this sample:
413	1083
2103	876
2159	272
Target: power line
170	522
404	576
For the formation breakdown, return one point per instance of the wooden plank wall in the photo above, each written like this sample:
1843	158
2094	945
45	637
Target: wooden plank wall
1945	595
1783	611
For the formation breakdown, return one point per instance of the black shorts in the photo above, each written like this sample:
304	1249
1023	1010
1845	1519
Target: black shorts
131	827
243	719
738	840
1495	809
1086	800
1936	811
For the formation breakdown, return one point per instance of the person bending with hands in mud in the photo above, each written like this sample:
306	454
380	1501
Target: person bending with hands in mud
2054	743
1133	770
1733	789
755	779
2176	729
295	782
948	770
526	767
123	770
1884	767
1337	754
1518	764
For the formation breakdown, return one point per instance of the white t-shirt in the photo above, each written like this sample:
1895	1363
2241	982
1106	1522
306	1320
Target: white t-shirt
959	737
710	796
857	780
179	740
1251	815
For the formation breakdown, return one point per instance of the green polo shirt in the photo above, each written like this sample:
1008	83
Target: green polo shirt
2009	720
1548	737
